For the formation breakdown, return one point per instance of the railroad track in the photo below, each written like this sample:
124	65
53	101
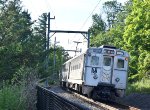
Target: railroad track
96	105
111	105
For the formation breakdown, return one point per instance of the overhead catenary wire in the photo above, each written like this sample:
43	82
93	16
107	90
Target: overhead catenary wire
89	17
49	7
90	14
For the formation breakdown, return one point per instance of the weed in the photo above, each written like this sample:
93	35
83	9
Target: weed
142	86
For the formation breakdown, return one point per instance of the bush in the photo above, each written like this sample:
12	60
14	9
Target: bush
142	86
21	94
11	98
27	77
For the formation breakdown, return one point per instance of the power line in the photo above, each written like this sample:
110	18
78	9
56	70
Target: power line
89	17
90	14
48	5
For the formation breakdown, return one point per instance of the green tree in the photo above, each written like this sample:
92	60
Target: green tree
15	31
40	42
98	25
111	35
137	37
111	8
45	65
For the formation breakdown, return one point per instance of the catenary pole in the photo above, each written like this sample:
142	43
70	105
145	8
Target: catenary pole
48	43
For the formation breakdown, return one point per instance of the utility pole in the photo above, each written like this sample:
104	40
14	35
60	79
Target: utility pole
88	39
48	30
77	42
48	41
48	38
55	42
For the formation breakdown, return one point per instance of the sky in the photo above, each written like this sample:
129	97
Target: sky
75	15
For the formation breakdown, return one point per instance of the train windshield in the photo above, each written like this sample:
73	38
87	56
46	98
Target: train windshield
107	61
95	60
120	63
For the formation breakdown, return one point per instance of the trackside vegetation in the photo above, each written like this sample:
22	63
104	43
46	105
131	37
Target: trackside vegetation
25	59
142	86
11	98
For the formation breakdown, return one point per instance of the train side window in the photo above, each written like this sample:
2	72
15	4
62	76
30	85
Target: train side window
107	61
95	60
79	66
120	63
64	68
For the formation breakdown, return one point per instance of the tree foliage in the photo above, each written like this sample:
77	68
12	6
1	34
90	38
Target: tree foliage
23	42
15	31
109	35
137	36
111	8
98	25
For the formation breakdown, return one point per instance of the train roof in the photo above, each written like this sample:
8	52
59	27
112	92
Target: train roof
108	46
103	46
75	56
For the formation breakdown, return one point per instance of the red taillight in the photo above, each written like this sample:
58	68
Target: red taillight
126	58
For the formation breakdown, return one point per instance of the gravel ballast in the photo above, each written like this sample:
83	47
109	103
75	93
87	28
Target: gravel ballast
69	96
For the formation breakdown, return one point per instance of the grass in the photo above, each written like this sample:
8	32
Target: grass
11	99
142	86
20	94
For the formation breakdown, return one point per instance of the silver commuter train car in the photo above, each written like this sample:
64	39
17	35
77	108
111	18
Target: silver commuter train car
99	72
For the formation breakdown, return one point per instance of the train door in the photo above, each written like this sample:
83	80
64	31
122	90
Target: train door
69	68
120	72
92	69
106	73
